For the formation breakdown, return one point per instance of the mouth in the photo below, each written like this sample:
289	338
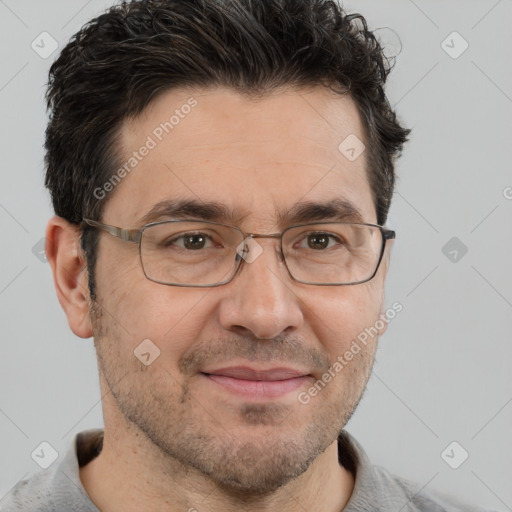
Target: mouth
258	384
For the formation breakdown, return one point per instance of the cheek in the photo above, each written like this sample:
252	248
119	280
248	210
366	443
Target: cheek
142	308
340	315
171	317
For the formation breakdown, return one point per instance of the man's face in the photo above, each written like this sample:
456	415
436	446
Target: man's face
258	159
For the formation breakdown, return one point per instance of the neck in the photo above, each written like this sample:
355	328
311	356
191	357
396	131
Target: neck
132	474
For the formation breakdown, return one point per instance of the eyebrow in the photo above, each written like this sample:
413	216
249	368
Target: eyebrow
337	209
188	208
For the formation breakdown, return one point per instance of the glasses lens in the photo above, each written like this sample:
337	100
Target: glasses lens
189	253
332	253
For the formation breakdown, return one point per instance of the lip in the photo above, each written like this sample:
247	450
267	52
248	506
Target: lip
257	383
248	373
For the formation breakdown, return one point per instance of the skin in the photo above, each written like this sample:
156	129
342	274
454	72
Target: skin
173	440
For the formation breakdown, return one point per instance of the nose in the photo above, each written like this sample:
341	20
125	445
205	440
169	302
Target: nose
261	298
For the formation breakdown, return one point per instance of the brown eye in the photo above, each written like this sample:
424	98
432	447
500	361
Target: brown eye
318	241
189	241
194	241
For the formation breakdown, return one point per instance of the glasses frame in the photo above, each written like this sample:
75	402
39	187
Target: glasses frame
135	236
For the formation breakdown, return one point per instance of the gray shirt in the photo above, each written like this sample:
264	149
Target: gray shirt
59	489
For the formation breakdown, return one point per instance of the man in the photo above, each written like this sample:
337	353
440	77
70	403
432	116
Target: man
221	172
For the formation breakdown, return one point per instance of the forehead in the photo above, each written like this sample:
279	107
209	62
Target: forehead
258	157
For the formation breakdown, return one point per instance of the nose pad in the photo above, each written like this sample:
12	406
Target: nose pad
249	250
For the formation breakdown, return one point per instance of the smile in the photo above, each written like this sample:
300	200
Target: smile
262	384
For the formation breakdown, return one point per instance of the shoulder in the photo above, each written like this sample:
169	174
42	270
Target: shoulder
30	495
415	497
57	488
47	491
376	488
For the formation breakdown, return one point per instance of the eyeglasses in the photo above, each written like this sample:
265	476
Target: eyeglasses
206	254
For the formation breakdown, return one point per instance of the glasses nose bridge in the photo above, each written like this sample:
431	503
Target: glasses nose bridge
278	236
258	235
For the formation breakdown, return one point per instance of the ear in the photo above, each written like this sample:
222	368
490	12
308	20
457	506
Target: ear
386	257
384	267
383	324
70	276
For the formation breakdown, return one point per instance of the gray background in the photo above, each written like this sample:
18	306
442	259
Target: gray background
443	370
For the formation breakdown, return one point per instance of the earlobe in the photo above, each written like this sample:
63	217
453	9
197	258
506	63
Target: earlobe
387	256
69	270
382	322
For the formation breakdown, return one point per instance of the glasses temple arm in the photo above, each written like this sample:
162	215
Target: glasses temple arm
129	235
